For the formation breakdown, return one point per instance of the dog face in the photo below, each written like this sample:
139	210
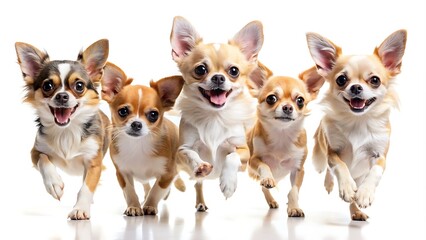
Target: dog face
284	100
215	73
137	110
358	83
62	90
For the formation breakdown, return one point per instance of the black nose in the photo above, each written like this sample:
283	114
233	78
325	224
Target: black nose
136	126
218	79
288	109
356	89
62	98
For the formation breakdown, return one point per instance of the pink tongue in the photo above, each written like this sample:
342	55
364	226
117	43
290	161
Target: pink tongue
62	114
357	103
218	99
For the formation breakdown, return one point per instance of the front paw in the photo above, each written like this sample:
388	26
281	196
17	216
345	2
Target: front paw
347	189
203	170
268	183
295	212
364	196
133	211
149	210
79	214
228	185
53	184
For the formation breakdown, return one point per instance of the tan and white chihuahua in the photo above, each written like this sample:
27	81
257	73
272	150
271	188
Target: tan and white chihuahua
144	142
72	130
353	136
215	103
277	142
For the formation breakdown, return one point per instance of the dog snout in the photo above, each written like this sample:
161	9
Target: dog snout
288	109
62	98
136	126
218	79
356	89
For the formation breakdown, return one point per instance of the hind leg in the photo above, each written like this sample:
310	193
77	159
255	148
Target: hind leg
356	213
200	205
269	199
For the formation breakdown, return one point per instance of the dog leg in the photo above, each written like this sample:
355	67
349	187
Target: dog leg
365	194
296	179
356	213
127	185
81	210
347	186
159	191
329	181
228	176
192	159
146	189
200	205
51	179
262	171
269	199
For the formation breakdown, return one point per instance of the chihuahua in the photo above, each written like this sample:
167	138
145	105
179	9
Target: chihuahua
144	142
277	141
353	136
72	131
215	103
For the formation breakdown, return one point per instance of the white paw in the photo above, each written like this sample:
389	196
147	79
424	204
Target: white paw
347	189
228	184
79	214
365	195
53	184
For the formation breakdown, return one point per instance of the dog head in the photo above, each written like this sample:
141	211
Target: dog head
358	83
62	90
137	110
215	74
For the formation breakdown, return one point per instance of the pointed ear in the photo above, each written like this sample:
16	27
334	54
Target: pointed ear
313	81
257	78
168	89
31	60
323	52
113	81
249	39
391	50
183	38
94	59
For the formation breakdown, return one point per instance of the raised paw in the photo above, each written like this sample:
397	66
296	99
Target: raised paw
364	196
54	184
347	189
201	207
295	212
359	216
268	183
203	170
228	185
79	214
133	211
149	210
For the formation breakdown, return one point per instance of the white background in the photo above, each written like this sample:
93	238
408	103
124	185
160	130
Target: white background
139	32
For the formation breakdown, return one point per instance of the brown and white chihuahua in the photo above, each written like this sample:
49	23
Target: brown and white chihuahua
353	136
277	142
215	103
72	130
144	142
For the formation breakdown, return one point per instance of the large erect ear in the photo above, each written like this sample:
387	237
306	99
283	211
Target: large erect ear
323	52
391	50
31	60
183	37
113	81
250	40
168	89
258	78
313	81
94	59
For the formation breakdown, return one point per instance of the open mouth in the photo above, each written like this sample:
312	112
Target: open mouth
358	104
62	115
285	119
217	97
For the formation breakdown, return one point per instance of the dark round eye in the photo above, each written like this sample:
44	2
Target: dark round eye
234	72
375	81
341	80
152	116
271	99
123	112
300	101
47	86
200	70
79	87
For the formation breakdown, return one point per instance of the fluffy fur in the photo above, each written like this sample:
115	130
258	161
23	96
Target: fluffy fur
277	142
144	142
353	136
72	130
215	103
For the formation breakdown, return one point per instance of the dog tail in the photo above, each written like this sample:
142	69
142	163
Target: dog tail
180	184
